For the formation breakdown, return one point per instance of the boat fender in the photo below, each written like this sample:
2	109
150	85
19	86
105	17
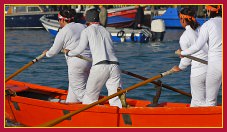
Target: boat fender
122	39
120	34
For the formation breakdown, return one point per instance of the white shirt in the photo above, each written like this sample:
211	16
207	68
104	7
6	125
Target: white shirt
210	32
187	39
99	41
68	38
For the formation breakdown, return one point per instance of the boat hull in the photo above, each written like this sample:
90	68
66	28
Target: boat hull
26	21
52	26
34	105
172	20
175	22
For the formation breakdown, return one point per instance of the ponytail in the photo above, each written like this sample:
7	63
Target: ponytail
189	15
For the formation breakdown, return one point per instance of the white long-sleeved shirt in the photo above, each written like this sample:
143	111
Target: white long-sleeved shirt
211	33
99	41
68	38
187	39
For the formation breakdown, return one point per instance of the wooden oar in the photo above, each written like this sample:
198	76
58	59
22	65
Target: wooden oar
196	59
84	58
144	78
156	83
25	67
193	58
80	56
60	119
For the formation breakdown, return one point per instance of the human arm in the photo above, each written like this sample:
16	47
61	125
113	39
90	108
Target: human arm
200	42
58	44
83	44
184	44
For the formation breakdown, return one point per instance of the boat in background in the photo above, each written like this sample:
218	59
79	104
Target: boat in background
33	105
121	17
172	20
118	34
26	16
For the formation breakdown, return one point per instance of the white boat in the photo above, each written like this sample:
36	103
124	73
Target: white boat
118	34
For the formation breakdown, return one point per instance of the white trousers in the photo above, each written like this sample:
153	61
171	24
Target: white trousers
99	75
213	81
198	90
78	72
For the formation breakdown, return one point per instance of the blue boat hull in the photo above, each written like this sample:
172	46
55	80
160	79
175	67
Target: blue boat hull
172	20
141	38
175	23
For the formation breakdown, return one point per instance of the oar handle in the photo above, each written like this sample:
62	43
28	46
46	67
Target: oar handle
193	58
39	57
25	67
84	58
196	59
81	57
167	73
60	119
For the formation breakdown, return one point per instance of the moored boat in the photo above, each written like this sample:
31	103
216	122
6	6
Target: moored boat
121	17
26	16
32	105
172	19
118	34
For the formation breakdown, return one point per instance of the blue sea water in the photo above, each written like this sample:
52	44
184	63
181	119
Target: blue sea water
146	59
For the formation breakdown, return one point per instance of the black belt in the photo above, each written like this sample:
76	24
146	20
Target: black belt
108	62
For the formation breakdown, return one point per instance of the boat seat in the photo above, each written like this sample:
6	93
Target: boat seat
34	95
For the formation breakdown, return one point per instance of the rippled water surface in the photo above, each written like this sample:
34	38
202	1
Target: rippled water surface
147	60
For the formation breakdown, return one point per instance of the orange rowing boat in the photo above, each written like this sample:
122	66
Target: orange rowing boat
32	105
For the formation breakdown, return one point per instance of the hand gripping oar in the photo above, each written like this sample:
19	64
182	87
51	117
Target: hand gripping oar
25	67
194	58
60	119
156	83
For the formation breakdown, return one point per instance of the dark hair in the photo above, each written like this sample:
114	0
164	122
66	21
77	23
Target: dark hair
214	13
68	13
189	21
92	15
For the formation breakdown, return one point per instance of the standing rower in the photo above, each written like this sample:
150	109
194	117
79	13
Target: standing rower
210	33
78	69
198	70
105	67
